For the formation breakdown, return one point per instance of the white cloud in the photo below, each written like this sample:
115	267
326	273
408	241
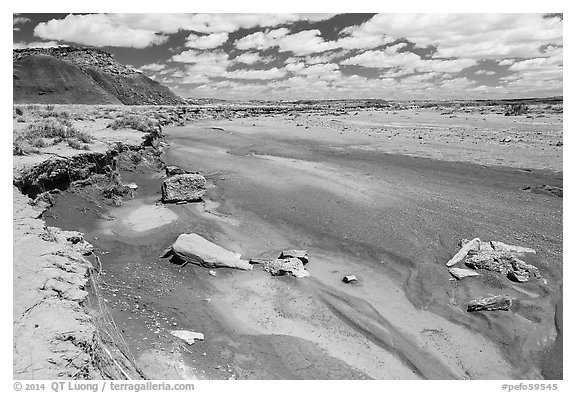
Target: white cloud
96	30
273	73
42	44
193	56
210	41
261	40
390	57
19	20
506	62
248	58
485	72
470	35
153	67
305	42
202	65
353	37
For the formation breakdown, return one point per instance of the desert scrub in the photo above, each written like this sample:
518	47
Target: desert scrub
140	123
49	132
76	144
516	110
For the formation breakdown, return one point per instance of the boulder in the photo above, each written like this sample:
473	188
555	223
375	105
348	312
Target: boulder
193	248
462	273
473	244
280	267
349	278
187	336
504	263
492	303
300	254
189	187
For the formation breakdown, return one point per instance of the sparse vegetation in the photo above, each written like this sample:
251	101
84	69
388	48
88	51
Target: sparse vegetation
516	110
135	122
76	144
52	113
19	111
49	132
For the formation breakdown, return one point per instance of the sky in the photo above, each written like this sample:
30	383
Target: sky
322	56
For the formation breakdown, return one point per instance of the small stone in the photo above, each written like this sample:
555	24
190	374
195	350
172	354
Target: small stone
349	278
492	303
462	273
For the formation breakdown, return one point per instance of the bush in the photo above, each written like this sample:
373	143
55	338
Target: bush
52	113
75	144
55	129
135	122
516	110
58	130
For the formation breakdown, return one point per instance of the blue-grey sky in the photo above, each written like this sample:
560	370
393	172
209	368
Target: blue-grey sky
309	56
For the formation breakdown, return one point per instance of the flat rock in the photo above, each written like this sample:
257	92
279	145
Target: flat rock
280	267
462	273
473	244
300	254
193	248
492	303
187	336
499	246
188	187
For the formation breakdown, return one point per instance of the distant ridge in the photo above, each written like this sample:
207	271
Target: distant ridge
74	75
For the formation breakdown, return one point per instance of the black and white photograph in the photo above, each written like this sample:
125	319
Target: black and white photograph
287	196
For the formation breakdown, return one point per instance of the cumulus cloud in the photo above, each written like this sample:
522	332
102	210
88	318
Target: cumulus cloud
248	58
470	35
209	41
261	40
19	20
97	30
153	67
202	65
485	72
390	57
272	73
305	42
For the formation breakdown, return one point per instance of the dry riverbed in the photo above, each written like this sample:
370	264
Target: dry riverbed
385	196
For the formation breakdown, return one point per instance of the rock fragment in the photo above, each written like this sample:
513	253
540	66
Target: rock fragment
172	170
499	246
280	267
193	248
473	244
349	278
187	336
462	273
492	303
188	187
504	263
300	254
